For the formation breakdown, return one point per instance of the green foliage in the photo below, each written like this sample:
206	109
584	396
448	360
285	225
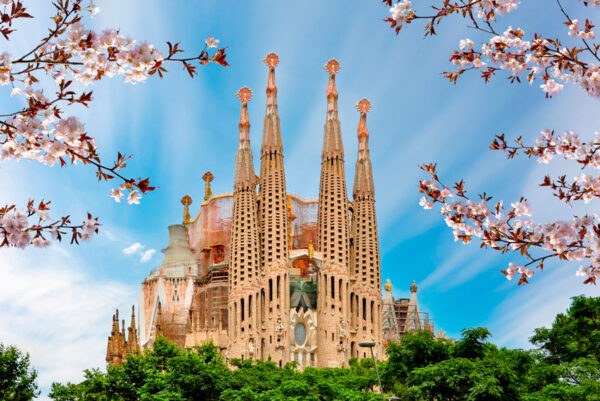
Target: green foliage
17	378
573	335
421	367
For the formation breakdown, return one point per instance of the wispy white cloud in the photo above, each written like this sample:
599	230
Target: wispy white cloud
147	255
138	249
55	312
535	305
133	248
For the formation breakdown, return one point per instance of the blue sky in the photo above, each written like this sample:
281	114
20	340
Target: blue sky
56	303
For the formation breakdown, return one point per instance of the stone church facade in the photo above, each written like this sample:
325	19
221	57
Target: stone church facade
264	274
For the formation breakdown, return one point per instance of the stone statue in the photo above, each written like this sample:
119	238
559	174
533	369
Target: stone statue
342	329
279	328
251	346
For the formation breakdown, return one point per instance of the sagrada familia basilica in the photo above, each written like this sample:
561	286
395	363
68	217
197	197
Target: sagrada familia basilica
264	274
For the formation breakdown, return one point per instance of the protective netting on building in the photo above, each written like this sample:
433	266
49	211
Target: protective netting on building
209	307
210	233
304	226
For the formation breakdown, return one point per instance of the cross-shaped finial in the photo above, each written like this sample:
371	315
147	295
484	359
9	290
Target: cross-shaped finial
272	60
244	94
332	66
363	106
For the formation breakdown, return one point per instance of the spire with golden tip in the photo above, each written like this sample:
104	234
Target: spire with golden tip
364	188
207	177
244	166
186	201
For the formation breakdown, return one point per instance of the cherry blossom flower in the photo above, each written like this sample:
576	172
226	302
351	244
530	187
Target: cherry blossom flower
211	41
116	194
134	197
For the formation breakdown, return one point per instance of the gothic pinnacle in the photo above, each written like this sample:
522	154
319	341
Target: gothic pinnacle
244	166
271	60
271	140
133	316
332	67
245	95
363	106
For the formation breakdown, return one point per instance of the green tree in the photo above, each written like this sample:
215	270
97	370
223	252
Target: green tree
573	335
415	350
17	377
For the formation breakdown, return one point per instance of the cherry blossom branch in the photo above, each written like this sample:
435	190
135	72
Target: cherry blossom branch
39	132
19	228
508	230
548	145
541	58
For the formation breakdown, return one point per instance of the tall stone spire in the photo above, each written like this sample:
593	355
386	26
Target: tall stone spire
333	197
366	258
132	342
116	350
364	189
413	315
332	236
244	258
273	225
244	166
333	147
390	321
366	266
273	217
271	141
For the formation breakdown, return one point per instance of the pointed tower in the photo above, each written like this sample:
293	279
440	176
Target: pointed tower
332	236
244	260
366	269
273	227
132	341
413	316
388	315
116	350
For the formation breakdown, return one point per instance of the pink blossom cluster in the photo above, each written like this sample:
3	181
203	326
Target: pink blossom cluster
541	58
34	226
501	7
512	230
133	197
401	11
574	30
5	66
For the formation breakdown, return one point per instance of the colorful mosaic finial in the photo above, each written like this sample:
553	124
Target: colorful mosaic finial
332	67
271	60
244	95
363	106
413	287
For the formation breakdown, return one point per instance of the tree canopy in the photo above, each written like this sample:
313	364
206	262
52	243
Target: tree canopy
563	365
